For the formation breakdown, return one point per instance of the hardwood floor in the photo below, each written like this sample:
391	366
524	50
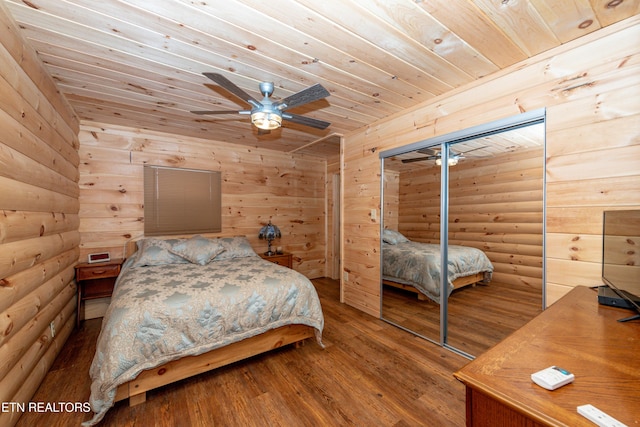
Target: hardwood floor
479	316
370	374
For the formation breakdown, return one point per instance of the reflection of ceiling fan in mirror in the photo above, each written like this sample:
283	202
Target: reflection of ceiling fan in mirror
437	156
267	115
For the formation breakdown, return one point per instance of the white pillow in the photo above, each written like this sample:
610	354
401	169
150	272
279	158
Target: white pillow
198	249
393	237
235	247
153	251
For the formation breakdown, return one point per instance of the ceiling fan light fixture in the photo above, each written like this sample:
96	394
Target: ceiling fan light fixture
266	120
453	160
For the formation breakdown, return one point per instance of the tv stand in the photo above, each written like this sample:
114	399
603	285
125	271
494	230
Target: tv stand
577	334
608	296
628	319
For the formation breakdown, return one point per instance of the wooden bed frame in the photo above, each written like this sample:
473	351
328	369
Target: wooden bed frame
136	389
188	366
460	282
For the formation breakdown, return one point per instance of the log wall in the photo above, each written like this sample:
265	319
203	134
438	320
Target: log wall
591	90
488	210
39	221
258	185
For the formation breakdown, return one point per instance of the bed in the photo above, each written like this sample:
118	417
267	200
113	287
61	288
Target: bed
415	266
185	306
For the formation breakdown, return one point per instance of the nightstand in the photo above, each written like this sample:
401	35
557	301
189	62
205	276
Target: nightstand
284	259
95	281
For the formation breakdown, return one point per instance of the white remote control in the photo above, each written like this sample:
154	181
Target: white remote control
595	415
552	377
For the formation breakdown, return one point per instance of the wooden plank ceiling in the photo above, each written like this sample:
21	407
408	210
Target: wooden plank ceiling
139	63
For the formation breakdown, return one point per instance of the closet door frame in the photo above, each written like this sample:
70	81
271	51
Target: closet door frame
445	141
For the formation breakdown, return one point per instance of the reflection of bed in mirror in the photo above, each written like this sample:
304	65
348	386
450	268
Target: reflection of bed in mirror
415	266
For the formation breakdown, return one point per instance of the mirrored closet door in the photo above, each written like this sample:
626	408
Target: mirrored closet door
411	208
471	201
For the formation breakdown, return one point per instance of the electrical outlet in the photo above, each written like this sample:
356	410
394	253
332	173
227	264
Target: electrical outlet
53	329
345	276
374	214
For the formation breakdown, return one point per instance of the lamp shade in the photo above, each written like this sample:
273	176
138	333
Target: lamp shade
269	232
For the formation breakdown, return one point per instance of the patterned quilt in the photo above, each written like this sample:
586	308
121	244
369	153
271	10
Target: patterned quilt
418	264
164	312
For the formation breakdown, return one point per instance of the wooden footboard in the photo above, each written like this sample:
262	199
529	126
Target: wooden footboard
188	366
460	282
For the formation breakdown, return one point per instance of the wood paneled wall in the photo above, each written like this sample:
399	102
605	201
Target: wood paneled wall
488	210
257	185
591	90
39	235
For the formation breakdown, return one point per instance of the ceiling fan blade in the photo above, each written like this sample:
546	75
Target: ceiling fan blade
307	121
419	159
231	87
429	151
459	156
305	96
219	112
473	149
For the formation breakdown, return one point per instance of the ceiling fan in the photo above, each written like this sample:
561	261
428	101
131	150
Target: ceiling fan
267	115
437	156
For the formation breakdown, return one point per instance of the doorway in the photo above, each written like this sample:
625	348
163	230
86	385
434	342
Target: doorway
335	228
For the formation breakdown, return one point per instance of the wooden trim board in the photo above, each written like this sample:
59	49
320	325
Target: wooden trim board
189	366
460	282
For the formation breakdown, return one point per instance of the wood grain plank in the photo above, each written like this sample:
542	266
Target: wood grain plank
412	20
477	29
523	24
568	19
608	12
37	81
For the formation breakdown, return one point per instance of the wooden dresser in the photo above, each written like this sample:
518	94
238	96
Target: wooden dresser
285	259
575	333
95	281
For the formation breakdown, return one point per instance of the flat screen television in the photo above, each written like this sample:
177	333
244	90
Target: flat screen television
621	261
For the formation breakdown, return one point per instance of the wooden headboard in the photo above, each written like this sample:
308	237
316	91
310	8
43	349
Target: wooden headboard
131	245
